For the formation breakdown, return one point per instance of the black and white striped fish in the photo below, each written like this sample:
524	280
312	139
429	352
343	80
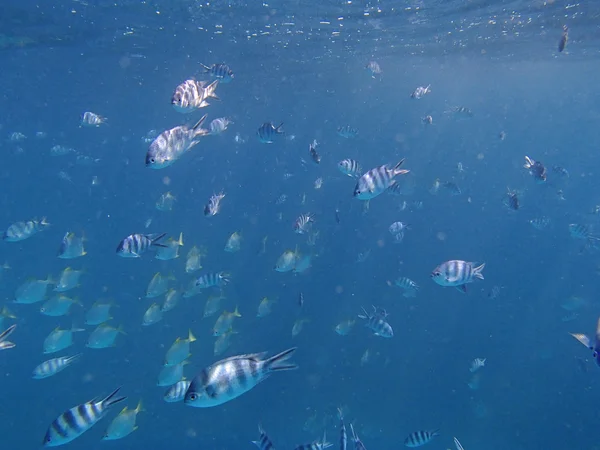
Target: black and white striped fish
303	223
376	322
212	279
267	132
229	378
176	393
263	442
20	231
346	131
170	145
4	344
457	273
53	366
73	423
377	180
418	438
312	150
213	206
220	71
192	95
350	167
90	119
135	245
536	169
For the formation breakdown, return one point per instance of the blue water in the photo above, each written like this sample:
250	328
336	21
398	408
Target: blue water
303	64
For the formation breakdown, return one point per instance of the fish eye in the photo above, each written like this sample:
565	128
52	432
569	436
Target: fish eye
152	160
193	397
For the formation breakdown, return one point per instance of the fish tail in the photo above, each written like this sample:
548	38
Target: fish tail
210	90
157	237
74	358
477	271
111	400
277	362
278	128
397	170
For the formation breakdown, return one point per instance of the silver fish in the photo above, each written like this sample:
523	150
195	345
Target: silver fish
377	180
192	95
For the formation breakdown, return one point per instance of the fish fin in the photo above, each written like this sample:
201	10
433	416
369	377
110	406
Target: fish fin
210	90
585	340
191	337
462	288
110	399
477	271
277	362
200	122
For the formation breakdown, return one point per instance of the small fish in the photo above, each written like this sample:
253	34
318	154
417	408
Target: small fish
376	322
233	243
560	171
223	342
409	286
169	375
192	95
303	223
19	231
350	167
98	313
123	425
343	328
135	245
420	91
176	392
318	183
460	112
265	307
4	344
419	438
457	273
212	279
511	200
224	322
179	350
536	169
159	284
104	336
427	120
218	126
301	300
213	206
267	132
477	364
377	180
346	131
213	304
298	326
59	339
72	246
397	230
53	366
57	306
287	261
171	299
374	68
229	378
564	38
312	150
89	119
591	343
69	279
153	314
32	291
263	442
172	144
165	202
193	260
60	150
77	420
220	71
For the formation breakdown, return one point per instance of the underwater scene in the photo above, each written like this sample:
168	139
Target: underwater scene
344	224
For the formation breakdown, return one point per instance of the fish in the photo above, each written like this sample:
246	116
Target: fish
135	245
347	132
267	132
420	91
176	392
158	285
229	378
312	150
419	438
220	71
19	231
303	223
71	246
350	167
219	125
4	344
165	202
98	313
591	343
374	68
171	299
172	144
224	322
477	364
457	273
315	445
212	279
234	243
53	366
343	433
192	95
213	206
153	314
343	328
170	250
90	119
264	307
123	425
69	279
32	291
59	339
179	350
409	286
73	423
458	445
263	442
57	306
104	336
223	342
376	322
511	200
193	260
564	38
169	375
536	169
377	180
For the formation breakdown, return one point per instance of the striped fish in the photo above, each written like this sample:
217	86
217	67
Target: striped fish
220	71
317	445
176	393
20	231
213	206
53	366
457	273
192	95
591	343
346	131
77	420
134	245
377	180
343	434
212	279
4	344
231	377
264	442
350	167
303	223
376	322
267	132
419	438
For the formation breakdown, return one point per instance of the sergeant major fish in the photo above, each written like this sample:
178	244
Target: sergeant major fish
176	392
73	423
376	322
536	169
53	366
377	180
267	132
20	231
229	378
457	273
419	438
172	144
220	71
135	245
192	95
